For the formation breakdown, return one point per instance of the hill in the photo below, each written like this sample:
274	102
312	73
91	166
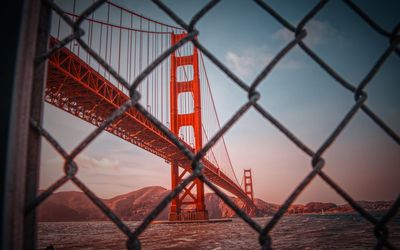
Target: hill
75	206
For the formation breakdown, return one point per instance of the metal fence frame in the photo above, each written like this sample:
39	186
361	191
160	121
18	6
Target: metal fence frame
19	225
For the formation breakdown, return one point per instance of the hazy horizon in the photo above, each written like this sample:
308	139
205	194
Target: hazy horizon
168	189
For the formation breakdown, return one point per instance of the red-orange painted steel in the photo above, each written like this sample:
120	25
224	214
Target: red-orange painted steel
180	120
248	183
73	86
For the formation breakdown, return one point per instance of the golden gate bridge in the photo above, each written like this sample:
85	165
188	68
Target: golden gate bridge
177	93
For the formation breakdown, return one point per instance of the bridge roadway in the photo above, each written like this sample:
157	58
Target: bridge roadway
75	87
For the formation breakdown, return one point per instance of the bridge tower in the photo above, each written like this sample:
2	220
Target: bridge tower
248	184
189	205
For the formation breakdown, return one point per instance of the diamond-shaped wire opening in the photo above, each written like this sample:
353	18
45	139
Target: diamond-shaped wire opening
307	108
242	54
323	227
337	42
352	171
382	91
272	169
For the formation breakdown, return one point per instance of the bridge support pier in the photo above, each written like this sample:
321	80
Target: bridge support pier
189	205
188	215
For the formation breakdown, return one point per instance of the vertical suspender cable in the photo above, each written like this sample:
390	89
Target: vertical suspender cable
130	34
147	63
162	73
100	41
156	73
167	76
108	21
134	57
153	85
119	47
73	11
58	30
111	49
140	54
91	33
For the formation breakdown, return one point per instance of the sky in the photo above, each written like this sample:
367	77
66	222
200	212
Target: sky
363	160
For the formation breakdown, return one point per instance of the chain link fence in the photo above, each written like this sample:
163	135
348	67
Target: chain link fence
317	161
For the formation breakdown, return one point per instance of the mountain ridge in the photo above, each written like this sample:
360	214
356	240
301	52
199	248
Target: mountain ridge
75	206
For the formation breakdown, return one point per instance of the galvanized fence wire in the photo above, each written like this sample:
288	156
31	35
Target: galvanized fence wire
317	162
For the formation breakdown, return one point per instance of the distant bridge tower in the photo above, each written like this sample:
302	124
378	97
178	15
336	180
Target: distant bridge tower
248	184
189	205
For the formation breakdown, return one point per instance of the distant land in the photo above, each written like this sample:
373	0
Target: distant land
75	206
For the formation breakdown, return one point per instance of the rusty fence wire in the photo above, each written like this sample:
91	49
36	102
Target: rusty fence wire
317	161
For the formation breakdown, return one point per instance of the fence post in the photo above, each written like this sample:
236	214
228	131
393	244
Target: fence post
23	155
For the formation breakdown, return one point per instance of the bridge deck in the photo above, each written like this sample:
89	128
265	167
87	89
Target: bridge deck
75	87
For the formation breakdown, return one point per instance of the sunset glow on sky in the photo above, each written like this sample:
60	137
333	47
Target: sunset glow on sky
300	94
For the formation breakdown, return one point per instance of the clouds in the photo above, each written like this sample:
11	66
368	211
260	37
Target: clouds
251	60
86	161
318	32
107	174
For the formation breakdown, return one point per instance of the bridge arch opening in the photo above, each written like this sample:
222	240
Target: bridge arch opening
185	50
184	73
185	99
186	133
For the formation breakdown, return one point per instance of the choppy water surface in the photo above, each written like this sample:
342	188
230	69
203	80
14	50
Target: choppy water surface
347	231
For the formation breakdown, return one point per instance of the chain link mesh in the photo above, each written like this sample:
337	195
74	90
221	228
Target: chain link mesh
317	161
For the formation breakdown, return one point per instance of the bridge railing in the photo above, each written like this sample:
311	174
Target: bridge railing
317	163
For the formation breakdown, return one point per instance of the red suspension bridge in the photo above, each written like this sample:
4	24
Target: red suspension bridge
177	93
